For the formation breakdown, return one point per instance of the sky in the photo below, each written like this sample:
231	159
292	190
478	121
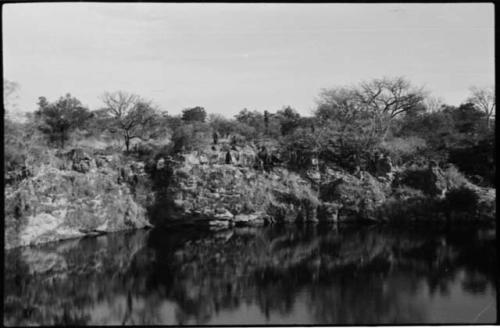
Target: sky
226	57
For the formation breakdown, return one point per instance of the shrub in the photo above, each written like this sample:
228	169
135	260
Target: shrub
454	179
402	150
193	136
477	159
299	148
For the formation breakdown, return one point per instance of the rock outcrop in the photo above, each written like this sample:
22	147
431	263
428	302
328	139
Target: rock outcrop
348	197
236	193
81	197
226	192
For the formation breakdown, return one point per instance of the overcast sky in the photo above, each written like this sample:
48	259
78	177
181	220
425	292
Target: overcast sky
225	57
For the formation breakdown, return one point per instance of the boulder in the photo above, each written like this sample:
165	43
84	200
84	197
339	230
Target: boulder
224	215
430	180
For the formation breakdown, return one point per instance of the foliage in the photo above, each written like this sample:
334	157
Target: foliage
454	178
380	100
195	114
350	146
221	125
252	119
299	148
289	120
192	136
14	150
58	119
477	161
340	104
467	119
403	150
444	130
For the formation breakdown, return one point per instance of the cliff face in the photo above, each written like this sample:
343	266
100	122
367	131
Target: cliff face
237	193
229	187
76	195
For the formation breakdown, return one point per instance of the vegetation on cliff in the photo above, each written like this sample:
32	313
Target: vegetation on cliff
379	150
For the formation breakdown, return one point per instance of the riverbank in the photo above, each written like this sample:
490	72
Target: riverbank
85	192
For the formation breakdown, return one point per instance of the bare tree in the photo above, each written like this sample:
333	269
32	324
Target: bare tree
131	116
389	97
484	100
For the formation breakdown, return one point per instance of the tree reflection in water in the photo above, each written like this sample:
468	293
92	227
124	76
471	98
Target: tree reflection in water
280	274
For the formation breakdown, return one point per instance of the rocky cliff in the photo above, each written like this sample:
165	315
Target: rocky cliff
228	187
78	194
75	195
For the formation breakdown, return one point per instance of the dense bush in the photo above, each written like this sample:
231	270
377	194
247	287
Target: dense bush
56	120
477	161
195	114
192	136
299	148
402	150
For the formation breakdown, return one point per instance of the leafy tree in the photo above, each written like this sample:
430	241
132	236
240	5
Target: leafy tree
195	114
467	119
484	100
244	130
130	116
191	136
289	119
58	119
254	119
349	146
299	148
222	125
341	105
173	122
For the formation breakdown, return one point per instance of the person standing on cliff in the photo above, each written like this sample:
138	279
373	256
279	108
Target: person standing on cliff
215	136
263	157
228	157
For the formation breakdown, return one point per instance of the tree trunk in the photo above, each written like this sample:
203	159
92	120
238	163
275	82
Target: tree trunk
127	143
386	131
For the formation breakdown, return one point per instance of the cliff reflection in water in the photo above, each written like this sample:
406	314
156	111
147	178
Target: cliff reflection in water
287	274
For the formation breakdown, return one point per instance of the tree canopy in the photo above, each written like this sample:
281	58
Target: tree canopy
195	114
58	119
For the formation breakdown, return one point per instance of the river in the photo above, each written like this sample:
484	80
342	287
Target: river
289	274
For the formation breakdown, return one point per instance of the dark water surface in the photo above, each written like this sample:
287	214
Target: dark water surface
274	275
